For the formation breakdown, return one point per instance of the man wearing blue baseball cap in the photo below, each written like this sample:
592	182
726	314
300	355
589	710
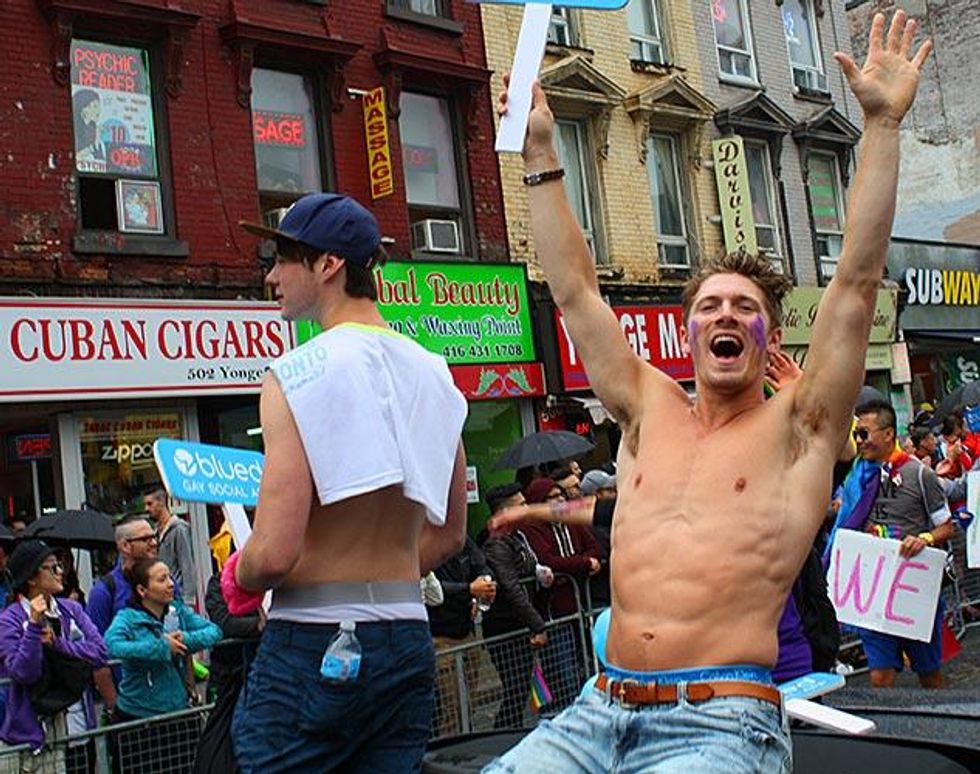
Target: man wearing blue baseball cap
363	491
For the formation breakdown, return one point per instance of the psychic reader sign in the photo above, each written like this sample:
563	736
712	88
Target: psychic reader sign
112	110
203	473
468	313
872	586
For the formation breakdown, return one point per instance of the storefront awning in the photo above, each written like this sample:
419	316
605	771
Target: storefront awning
949	334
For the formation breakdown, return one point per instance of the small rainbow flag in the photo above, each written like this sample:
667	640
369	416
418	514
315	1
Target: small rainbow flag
540	693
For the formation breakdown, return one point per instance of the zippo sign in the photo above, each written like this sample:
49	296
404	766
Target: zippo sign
203	473
652	331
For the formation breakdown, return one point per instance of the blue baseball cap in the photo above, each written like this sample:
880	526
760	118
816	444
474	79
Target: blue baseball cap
330	223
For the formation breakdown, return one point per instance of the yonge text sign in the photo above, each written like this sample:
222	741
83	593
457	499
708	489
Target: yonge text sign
57	348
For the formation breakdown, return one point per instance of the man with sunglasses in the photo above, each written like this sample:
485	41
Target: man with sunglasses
135	539
910	506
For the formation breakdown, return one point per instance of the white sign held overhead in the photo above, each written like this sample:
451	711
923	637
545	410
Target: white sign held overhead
872	586
973	530
527	61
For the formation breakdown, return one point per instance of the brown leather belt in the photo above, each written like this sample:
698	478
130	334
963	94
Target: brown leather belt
629	693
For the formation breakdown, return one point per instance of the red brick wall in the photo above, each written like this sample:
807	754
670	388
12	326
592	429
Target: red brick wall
211	154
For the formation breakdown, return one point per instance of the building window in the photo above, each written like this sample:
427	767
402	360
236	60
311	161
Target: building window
764	197
116	144
663	169
424	7
733	39
430	153
803	43
573	150
646	40
560	31
826	210
286	138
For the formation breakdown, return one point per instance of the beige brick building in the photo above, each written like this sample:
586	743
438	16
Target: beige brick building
633	119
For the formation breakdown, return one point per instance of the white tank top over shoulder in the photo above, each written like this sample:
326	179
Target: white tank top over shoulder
374	409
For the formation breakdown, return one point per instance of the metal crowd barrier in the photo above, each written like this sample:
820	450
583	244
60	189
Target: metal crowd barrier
481	685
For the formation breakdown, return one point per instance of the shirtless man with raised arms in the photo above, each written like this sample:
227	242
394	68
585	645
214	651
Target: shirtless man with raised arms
363	491
719	498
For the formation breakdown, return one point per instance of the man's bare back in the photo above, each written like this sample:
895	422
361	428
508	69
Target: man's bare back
710	531
372	537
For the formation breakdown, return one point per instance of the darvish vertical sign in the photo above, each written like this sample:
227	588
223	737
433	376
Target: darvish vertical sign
734	198
378	147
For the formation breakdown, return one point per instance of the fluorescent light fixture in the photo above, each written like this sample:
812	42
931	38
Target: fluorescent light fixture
254	431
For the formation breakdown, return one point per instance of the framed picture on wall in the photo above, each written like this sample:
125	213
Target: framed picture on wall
138	206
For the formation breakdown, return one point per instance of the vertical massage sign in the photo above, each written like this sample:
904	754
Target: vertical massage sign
112	110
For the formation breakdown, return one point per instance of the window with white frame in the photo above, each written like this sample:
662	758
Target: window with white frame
424	7
429	140
764	197
803	43
663	170
733	39
826	210
560	30
573	150
646	39
285	136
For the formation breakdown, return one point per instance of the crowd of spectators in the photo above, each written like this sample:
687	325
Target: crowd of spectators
527	577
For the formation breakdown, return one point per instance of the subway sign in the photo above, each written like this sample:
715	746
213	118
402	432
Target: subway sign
942	287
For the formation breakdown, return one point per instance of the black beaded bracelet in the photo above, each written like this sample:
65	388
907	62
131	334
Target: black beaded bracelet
537	178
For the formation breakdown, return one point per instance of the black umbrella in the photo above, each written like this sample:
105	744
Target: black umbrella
79	529
869	393
544	446
964	395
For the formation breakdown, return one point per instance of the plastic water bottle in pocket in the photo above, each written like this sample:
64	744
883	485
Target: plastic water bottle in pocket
342	659
171	621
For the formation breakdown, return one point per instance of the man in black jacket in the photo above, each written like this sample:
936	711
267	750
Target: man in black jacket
468	588
513	561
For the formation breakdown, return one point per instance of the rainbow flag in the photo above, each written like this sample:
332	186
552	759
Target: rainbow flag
540	693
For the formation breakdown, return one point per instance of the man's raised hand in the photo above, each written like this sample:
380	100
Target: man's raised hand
887	83
538	142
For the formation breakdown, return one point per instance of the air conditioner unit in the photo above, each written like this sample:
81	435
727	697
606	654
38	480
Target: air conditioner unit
272	218
811	80
436	236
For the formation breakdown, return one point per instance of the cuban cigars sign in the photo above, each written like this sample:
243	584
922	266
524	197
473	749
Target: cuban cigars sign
476	316
652	331
378	146
51	349
872	586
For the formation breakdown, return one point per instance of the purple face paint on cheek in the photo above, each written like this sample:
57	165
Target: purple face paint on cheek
693	329
758	330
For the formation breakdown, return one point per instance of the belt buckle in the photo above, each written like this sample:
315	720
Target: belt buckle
620	692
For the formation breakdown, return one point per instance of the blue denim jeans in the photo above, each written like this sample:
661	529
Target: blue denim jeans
726	735
288	719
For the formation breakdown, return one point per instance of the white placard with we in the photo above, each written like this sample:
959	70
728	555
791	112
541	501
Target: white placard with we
973	530
872	586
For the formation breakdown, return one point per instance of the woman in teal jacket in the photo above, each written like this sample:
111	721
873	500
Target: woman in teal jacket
153	637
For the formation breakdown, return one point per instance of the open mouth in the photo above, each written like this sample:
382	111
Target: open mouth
726	347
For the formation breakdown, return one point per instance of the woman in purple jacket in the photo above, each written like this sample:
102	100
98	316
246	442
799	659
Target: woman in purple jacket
35	620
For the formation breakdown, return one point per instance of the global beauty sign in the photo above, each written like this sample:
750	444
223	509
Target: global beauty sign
476	316
54	349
